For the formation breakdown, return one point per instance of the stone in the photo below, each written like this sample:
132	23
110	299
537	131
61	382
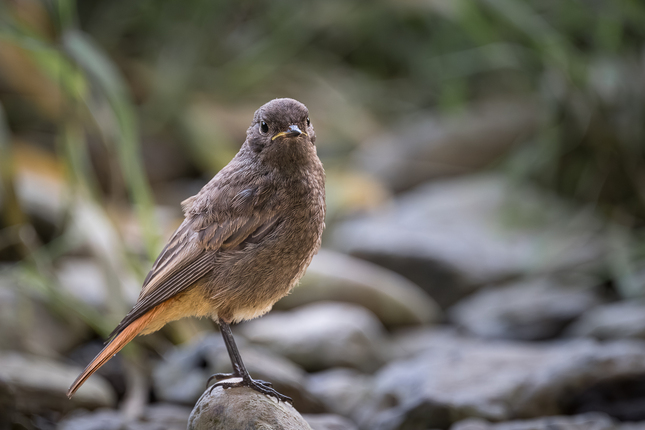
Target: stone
429	146
454	378
533	309
9	322
342	390
41	191
333	276
243	408
451	237
611	321
590	421
181	377
102	419
7	406
158	416
321	335
28	324
40	384
622	398
83	279
329	422
409	342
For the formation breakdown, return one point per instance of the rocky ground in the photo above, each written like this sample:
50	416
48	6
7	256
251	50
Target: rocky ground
460	314
483	265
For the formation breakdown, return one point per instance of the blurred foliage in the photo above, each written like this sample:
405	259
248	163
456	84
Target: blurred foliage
106	88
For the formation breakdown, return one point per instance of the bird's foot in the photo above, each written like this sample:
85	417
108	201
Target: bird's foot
222	376
254	384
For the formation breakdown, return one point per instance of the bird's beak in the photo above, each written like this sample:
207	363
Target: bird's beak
293	131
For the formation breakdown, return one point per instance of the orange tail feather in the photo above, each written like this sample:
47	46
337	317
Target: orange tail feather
115	345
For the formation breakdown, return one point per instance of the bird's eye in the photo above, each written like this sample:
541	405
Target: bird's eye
264	127
308	121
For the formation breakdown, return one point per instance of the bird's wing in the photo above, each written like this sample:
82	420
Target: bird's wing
190	255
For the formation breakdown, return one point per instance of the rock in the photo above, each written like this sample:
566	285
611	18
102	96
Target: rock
621	398
241	409
40	184
329	422
39	384
591	421
321	335
409	342
7	406
337	277
535	309
83	278
102	419
611	321
453	236
159	416
181	377
454	378
171	415
433	146
27	324
342	390
9	322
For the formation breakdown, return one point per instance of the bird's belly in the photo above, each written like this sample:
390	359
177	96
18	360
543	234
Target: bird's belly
246	283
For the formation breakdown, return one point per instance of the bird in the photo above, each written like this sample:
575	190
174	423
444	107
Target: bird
246	239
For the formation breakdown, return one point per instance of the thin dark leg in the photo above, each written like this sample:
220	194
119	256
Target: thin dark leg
239	370
236	359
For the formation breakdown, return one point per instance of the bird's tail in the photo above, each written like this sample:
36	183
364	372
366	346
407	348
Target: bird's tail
115	345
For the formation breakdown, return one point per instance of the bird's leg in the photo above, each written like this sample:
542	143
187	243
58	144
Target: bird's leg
234	356
239	370
236	360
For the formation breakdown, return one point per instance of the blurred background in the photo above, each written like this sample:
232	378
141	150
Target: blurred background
484	259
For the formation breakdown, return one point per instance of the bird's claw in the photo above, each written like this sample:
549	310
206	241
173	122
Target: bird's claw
220	377
265	383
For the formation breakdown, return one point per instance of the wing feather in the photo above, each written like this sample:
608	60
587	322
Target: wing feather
190	255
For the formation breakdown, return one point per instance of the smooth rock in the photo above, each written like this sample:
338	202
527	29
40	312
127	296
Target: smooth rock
329	422
40	384
342	390
611	321
27	324
9	322
181	377
321	335
454	378
534	309
41	191
432	146
7	406
158	416
83	278
454	236
241	409
102	419
391	297
409	342
590	421
622	398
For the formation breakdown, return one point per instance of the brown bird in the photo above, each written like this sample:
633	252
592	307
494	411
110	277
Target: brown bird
246	240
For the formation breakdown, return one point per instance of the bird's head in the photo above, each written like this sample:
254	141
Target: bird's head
282	132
